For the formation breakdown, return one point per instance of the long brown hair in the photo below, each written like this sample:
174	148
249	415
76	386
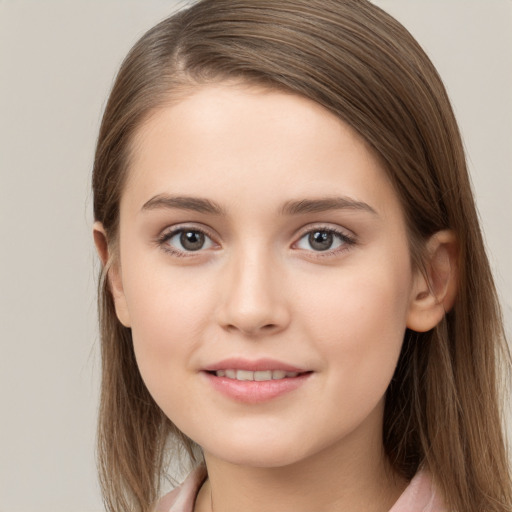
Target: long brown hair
443	404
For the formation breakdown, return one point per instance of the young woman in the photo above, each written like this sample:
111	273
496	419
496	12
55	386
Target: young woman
294	284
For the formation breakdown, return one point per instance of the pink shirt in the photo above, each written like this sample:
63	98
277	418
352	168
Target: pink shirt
419	496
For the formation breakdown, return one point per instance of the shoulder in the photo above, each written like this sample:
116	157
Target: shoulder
421	495
183	497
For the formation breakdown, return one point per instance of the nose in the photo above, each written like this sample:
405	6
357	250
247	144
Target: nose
253	297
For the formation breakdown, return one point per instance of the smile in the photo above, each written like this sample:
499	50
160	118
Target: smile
259	376
256	385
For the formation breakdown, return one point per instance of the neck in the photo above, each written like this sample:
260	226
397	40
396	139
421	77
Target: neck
343	477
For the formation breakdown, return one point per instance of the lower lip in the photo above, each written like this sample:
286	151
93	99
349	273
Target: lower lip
252	392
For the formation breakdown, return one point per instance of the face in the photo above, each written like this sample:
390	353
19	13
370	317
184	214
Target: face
265	274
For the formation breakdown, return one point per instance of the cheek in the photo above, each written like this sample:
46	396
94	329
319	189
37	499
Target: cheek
169	318
166	331
168	313
358	319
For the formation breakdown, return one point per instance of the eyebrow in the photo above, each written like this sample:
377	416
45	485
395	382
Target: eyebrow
196	204
325	204
298	207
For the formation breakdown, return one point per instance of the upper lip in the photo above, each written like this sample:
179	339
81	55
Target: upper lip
256	365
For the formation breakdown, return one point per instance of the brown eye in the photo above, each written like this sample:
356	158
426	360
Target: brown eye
192	240
182	241
324	240
320	240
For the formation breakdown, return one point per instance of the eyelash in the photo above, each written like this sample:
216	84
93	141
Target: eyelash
347	240
164	238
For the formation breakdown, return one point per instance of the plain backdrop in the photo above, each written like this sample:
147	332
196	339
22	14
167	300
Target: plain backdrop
57	63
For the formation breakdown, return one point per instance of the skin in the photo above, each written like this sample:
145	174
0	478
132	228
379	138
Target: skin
258	288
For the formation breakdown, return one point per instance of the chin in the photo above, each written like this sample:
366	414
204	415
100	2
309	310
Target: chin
260	453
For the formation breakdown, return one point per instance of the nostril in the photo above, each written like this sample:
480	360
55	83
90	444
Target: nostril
251	317
252	329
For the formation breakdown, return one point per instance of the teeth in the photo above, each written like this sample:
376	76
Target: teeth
255	376
244	375
263	375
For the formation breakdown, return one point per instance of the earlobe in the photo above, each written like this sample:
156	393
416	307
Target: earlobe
113	273
434	293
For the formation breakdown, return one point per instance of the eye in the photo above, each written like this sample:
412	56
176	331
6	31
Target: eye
186	240
322	240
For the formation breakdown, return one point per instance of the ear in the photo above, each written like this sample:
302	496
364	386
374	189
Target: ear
433	294
112	268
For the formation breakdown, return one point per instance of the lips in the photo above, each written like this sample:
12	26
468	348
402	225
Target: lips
262	364
255	381
259	376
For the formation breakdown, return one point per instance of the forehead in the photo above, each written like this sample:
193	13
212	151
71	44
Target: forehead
238	142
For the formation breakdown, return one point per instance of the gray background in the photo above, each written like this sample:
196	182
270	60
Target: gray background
57	62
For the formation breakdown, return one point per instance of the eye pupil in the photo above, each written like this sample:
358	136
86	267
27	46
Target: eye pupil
192	240
320	240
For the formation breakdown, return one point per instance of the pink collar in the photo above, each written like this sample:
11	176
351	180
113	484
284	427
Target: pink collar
419	496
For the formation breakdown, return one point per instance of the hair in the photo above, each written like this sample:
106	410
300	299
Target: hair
442	409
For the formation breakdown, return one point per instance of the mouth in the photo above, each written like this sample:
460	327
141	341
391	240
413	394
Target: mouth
258	376
254	382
